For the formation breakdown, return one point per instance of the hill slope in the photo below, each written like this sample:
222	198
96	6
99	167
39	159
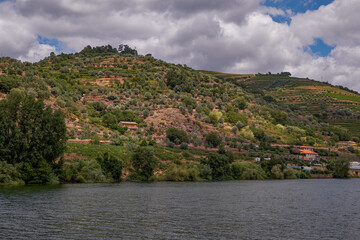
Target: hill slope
250	115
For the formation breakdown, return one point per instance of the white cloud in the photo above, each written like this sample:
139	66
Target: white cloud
232	36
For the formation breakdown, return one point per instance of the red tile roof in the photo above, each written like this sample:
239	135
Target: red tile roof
307	152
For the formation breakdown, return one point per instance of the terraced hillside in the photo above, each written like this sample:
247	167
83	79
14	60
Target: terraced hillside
333	104
181	116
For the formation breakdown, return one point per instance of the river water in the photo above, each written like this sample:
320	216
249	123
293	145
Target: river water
288	209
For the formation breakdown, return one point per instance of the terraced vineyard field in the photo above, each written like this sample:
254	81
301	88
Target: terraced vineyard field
335	105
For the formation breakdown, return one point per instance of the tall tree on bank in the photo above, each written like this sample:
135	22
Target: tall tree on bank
31	135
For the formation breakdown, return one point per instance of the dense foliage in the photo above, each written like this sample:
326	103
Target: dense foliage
32	135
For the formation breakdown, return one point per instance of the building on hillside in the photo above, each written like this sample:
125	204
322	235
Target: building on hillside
354	165
129	125
306	148
306	153
304	168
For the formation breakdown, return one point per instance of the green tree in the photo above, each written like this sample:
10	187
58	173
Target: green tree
144	162
110	166
213	139
247	171
31	134
177	136
340	167
220	166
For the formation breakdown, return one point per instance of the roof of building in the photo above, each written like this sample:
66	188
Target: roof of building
135	123
306	147
308	152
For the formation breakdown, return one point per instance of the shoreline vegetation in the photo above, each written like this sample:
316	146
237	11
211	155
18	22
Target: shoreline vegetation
107	114
157	163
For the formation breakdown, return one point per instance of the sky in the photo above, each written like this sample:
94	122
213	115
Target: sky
319	39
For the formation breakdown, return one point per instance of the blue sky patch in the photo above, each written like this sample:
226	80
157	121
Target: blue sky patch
281	19
320	48
296	6
59	46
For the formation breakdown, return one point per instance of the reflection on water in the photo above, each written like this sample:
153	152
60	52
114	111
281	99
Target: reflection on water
294	209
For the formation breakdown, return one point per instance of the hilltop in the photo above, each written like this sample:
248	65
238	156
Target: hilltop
246	116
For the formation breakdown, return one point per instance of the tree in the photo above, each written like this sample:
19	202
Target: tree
213	139
31	134
177	136
144	162
233	117
110	166
340	167
220	166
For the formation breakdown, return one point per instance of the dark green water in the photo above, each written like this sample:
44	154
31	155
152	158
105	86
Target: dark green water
294	209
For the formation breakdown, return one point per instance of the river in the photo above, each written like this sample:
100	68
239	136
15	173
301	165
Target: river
288	209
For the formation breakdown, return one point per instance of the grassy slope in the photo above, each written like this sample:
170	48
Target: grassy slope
309	95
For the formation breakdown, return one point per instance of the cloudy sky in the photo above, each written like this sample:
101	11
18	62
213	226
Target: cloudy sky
319	39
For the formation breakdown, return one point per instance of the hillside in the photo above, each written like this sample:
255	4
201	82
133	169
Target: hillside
252	115
331	104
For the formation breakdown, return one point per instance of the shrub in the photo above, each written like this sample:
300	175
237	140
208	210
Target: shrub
276	172
182	173
10	174
81	171
247	171
206	172
196	141
184	146
115	139
233	118
131	146
110	166
220	166
340	167
144	162
176	135
289	174
213	139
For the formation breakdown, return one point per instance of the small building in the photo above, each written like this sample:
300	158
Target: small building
306	153
304	168
129	125
309	155
354	165
257	159
306	148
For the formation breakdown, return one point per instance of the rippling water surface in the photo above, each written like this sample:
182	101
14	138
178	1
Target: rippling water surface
293	209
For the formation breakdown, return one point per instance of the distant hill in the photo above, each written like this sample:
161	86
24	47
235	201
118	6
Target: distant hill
100	86
332	104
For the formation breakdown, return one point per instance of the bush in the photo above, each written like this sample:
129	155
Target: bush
221	149
340	167
184	146
247	171
144	162
111	166
31	134
196	141
131	146
10	174
289	174
233	117
276	172
82	170
206	172
213	139
115	139
182	173
177	136
220	166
